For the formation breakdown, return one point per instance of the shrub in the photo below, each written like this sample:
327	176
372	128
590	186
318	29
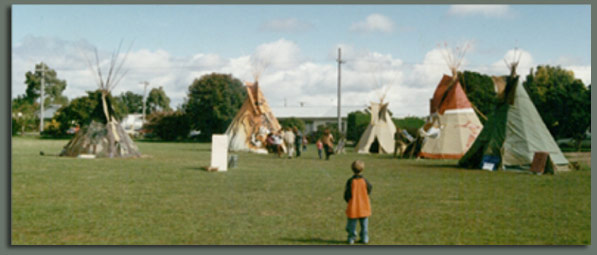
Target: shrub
293	122
168	126
410	124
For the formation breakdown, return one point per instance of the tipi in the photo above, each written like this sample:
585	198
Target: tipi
381	129
105	138
514	131
253	122
452	116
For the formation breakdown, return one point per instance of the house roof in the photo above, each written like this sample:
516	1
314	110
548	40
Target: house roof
314	112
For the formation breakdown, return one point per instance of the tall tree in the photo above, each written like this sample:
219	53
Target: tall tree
158	101
357	123
24	114
480	91
133	103
213	101
562	100
82	110
53	87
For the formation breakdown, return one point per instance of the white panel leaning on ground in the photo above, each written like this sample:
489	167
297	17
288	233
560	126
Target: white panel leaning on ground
219	152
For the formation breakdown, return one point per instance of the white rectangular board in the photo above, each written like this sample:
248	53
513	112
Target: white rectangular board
219	152
488	166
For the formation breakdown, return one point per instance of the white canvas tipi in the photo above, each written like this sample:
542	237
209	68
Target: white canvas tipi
380	129
452	115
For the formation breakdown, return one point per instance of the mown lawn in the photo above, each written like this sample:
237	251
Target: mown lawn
166	198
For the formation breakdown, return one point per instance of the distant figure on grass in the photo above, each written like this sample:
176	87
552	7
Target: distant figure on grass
275	143
399	145
289	140
305	142
359	208
297	141
319	145
328	143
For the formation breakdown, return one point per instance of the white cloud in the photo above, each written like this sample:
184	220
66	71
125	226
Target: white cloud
290	77
581	72
281	54
374	23
525	64
486	10
286	25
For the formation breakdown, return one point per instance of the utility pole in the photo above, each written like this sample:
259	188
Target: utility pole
145	84
340	62
42	96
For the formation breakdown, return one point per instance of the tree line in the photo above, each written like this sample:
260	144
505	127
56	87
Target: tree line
212	101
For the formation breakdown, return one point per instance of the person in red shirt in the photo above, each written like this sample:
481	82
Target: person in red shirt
359	207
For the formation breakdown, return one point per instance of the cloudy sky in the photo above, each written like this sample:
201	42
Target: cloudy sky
391	49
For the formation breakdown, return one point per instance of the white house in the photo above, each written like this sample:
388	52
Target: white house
132	123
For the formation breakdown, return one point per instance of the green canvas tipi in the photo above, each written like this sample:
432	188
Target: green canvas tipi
514	132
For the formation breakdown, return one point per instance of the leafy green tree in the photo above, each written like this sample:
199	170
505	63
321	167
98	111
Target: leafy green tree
82	110
562	101
158	101
132	103
480	91
213	101
53	87
293	122
24	114
356	123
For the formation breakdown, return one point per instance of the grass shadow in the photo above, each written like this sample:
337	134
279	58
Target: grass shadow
200	169
195	149
453	166
314	240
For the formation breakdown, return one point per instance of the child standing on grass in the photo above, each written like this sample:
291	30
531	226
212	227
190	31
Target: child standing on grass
319	147
359	208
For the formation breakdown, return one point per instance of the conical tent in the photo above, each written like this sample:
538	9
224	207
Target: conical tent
513	133
249	128
101	140
106	138
381	128
453	115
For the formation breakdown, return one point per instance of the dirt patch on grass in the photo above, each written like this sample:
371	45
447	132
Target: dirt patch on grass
580	157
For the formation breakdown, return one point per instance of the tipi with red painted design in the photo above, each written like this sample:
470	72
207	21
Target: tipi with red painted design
452	126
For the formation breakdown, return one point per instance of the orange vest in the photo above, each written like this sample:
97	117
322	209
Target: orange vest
358	205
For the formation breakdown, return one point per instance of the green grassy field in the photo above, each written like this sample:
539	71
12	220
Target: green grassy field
167	199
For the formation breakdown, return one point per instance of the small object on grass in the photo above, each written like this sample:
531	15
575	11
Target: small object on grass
86	156
232	161
41	153
210	168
